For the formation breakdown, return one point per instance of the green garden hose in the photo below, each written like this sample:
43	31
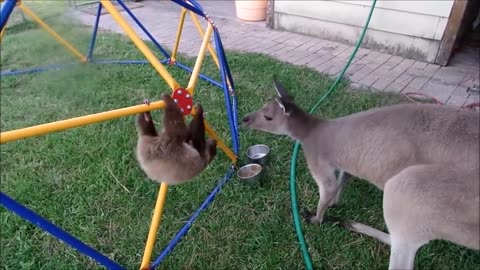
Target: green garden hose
293	163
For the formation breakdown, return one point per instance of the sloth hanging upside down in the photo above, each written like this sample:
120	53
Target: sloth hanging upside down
179	152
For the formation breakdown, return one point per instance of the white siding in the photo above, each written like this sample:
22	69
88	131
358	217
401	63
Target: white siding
409	28
440	8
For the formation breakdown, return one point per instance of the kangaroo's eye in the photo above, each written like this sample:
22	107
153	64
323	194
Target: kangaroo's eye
268	118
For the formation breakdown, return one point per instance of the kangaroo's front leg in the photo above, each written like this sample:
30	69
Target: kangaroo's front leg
342	180
327	188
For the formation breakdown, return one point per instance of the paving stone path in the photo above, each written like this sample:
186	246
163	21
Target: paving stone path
369	70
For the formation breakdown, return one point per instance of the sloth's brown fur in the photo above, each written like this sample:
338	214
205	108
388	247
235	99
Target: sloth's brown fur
179	152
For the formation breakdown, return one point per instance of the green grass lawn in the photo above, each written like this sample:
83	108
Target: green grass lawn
86	180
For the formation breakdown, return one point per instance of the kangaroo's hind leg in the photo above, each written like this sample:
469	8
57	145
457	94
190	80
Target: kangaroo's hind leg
429	202
403	221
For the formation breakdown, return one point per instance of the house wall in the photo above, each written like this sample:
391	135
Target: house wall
411	29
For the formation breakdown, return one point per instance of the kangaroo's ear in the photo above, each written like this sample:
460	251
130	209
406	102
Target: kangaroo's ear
285	105
281	91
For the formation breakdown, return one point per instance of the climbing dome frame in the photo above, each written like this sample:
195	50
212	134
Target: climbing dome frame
184	101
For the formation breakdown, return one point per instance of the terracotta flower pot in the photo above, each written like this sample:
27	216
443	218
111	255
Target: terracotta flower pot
251	10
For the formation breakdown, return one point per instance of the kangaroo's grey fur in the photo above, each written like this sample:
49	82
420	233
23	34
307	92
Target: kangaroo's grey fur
424	157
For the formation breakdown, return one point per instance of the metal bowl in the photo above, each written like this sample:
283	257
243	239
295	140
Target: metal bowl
258	153
250	173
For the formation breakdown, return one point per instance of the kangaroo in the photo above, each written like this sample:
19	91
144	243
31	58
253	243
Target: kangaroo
179	153
425	158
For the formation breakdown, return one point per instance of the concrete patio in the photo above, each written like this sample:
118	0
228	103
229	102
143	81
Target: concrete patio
369	70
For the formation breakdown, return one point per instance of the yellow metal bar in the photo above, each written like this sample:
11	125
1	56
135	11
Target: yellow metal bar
210	48
152	234
61	40
209	130
198	64
42	129
77	122
220	143
202	34
3	32
140	44
179	33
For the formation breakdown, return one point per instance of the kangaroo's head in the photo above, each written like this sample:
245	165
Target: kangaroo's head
274	117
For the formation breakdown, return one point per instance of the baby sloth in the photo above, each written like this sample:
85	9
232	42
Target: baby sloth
178	153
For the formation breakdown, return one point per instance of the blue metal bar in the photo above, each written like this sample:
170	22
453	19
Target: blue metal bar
94	34
7	8
46	225
190	7
204	77
186	227
56	67
33	70
126	62
231	121
235	115
197	5
143	28
227	68
223	58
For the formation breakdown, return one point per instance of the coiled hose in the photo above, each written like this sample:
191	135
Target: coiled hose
293	163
